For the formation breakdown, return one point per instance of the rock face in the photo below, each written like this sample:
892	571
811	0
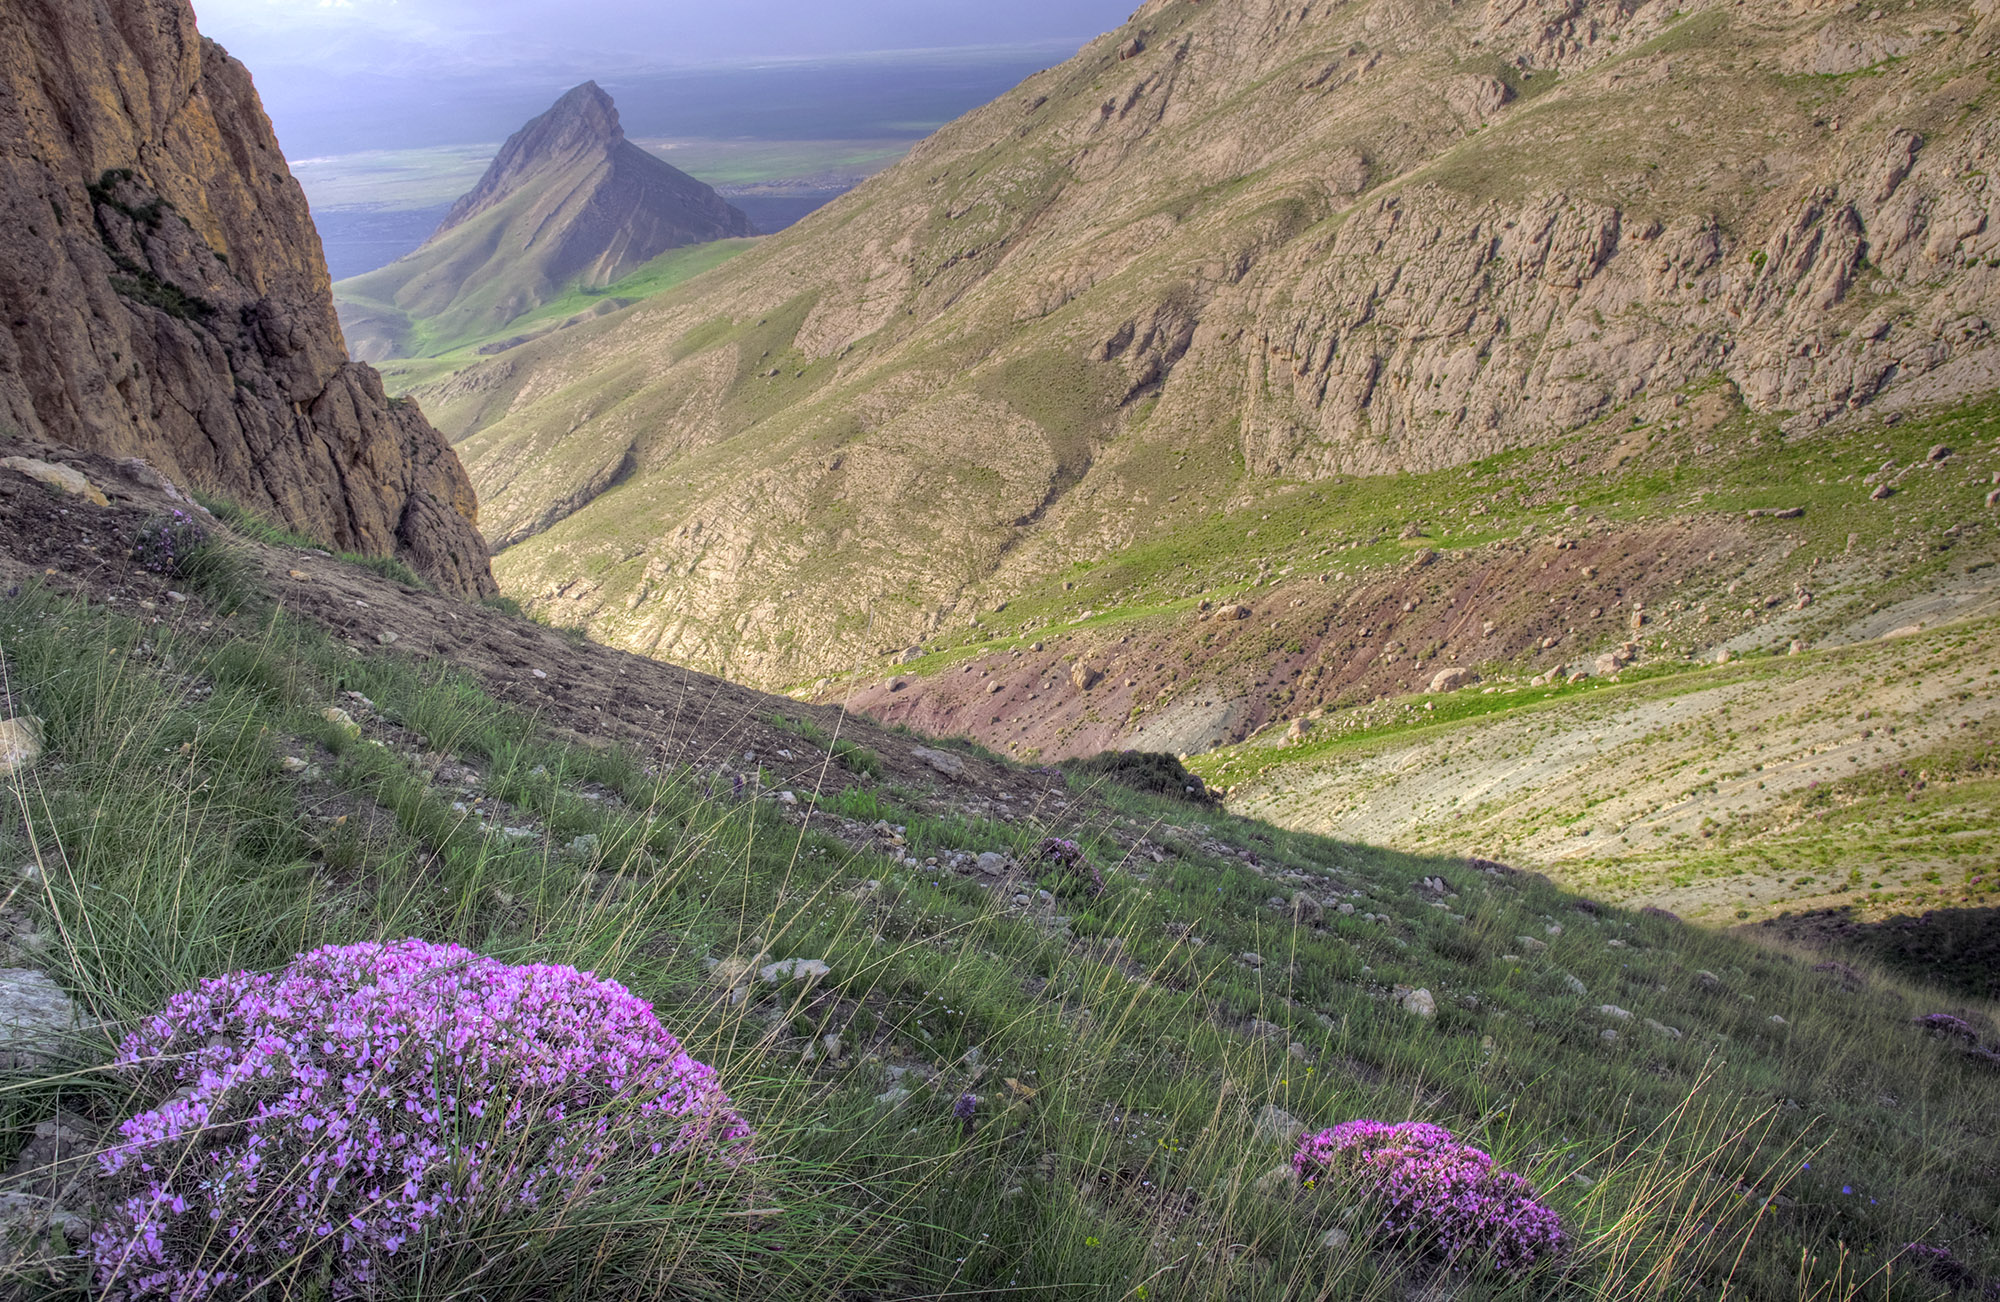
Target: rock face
569	201
163	294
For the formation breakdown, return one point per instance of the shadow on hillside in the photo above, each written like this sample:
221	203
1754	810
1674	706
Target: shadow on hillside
1955	948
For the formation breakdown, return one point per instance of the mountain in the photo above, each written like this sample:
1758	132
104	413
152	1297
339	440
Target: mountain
1237	252
166	297
569	201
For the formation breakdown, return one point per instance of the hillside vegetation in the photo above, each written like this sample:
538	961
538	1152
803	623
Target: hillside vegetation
231	779
1235	256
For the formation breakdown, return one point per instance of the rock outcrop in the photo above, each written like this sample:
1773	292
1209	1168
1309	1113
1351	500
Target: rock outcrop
568	201
163	294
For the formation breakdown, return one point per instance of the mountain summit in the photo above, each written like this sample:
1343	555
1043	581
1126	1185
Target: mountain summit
569	201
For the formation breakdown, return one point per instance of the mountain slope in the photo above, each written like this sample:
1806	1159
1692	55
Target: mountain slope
166	297
569	201
1233	248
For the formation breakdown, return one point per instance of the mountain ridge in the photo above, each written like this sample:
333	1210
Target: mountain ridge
1224	251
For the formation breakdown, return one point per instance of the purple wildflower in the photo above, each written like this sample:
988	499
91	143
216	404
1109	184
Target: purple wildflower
367	1096
1949	1027
1434	1190
167	545
1069	860
963	1109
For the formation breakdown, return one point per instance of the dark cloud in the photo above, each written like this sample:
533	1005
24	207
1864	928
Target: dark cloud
384	35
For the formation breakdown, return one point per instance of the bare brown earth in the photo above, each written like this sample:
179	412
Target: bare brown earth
1197	679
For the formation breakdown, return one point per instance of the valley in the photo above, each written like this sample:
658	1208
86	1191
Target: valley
1327	651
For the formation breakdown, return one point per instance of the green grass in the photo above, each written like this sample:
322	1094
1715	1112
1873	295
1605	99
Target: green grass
1119	1069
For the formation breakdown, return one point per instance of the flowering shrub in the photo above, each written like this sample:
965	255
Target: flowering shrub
168	545
1068	859
1434	1190
1951	1028
371	1099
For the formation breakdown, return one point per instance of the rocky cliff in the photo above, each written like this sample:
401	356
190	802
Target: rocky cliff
163	294
1231	246
568	201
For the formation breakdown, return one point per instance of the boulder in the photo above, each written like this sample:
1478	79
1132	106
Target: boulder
64	479
1450	680
1084	677
1233	611
1420	1003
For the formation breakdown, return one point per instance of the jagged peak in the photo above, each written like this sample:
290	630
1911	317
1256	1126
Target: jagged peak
583	121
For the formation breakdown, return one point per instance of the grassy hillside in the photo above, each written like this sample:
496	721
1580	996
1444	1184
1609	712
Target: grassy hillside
1235	261
1783	1135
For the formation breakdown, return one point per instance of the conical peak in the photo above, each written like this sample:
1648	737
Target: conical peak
588	108
582	124
583	118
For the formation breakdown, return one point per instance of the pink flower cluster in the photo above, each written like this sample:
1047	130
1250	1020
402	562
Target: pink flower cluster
368	1100
1434	1190
1951	1028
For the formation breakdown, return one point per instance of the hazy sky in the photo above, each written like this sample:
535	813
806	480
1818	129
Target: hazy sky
340	36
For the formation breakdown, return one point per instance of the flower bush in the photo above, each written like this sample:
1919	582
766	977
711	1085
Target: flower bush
168	545
370	1100
1070	863
1434	1190
1949	1027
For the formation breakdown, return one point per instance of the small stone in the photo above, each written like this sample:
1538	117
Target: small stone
1531	944
992	864
538	673
1334	1240
298	576
793	969
943	762
1608	1035
892	1097
20	744
1020	901
386	638
1615	1013
1778	1021
1250	958
1084	677
1575	986
1882	493
1346	909
1278	1182
1662	1029
1233	611
1274	1125
1708	980
342	720
584	845
1420	1003
832	1046
177	598
787	798
292	764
